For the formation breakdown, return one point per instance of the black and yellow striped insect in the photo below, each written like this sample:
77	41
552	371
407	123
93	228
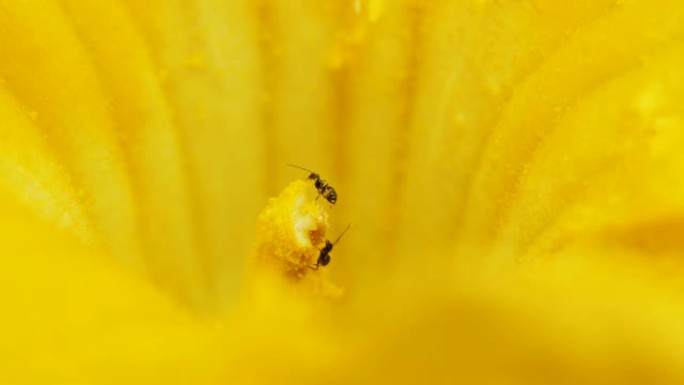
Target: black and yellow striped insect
324	189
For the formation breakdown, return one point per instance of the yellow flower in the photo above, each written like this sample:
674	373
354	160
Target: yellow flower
512	171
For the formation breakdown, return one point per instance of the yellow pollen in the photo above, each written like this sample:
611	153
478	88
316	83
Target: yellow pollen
290	233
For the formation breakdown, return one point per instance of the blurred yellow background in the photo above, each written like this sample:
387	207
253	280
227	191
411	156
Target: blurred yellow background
512	169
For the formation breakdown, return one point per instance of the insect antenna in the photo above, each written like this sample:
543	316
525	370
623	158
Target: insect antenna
340	236
299	167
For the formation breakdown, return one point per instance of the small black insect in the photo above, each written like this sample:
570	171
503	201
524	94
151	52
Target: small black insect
324	256
322	186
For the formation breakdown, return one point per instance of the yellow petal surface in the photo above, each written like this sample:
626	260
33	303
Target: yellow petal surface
512	173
